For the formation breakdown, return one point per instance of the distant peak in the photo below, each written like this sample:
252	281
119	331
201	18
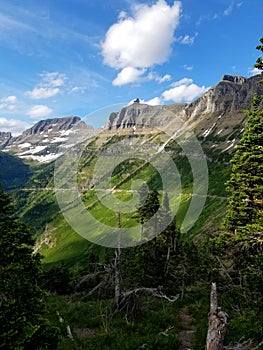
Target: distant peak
237	79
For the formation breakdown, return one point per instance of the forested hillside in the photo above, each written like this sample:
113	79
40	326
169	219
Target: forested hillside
103	290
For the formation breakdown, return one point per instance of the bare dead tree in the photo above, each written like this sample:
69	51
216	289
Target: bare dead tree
217	322
126	301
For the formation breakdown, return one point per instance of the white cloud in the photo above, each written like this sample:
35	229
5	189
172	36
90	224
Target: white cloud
187	39
229	9
134	75
166	77
49	86
219	15
254	71
54	79
186	67
14	126
77	89
39	93
39	111
183	90
128	75
8	103
141	40
156	101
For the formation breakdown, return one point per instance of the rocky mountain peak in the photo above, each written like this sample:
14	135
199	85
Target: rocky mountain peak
134	114
45	140
65	123
234	79
231	95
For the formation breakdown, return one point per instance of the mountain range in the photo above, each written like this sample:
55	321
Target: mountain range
216	113
217	120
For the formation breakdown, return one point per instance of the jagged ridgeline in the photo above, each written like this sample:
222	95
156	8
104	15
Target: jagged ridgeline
216	119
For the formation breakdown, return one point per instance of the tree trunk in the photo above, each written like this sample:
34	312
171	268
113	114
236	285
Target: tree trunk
117	277
217	322
117	267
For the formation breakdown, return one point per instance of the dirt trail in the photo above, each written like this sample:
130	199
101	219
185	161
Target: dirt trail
187	334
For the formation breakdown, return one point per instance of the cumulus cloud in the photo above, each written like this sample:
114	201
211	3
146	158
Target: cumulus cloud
39	111
8	102
156	101
134	75
142	40
14	126
254	71
49	86
183	90
128	75
166	77
39	93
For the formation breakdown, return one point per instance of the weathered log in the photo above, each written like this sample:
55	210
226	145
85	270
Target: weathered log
217	323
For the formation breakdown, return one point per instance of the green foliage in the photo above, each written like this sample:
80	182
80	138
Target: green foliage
259	63
239	250
21	307
58	279
246	181
95	327
14	172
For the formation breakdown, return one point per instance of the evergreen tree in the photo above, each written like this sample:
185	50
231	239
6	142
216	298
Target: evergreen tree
246	181
259	63
21	306
239	249
150	206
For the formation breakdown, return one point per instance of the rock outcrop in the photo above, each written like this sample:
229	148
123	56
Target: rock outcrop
237	79
56	124
5	137
230	96
217	116
45	140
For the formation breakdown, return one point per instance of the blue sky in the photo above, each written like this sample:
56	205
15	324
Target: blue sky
74	57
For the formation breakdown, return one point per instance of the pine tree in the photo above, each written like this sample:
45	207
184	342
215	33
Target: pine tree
21	306
240	247
246	181
259	63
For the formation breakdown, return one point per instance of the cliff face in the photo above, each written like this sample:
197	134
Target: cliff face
135	114
5	137
217	117
231	95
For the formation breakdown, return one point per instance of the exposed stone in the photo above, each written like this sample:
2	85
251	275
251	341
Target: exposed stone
46	140
5	137
231	95
237	79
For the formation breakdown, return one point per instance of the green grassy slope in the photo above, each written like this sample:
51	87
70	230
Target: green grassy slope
14	173
57	241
